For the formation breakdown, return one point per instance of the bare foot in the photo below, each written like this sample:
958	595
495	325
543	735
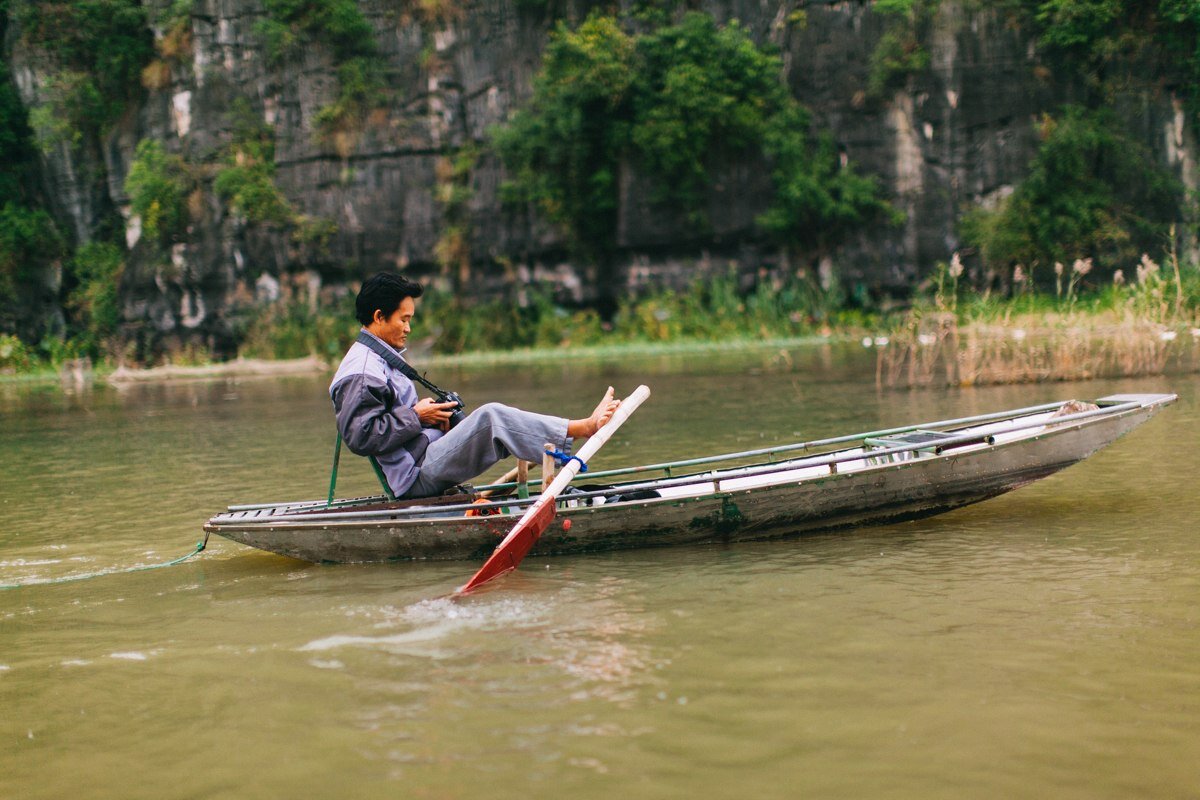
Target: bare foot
604	412
580	428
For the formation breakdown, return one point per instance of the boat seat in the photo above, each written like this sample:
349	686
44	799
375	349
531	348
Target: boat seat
337	454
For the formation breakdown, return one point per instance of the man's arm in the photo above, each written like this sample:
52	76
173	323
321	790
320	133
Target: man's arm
367	425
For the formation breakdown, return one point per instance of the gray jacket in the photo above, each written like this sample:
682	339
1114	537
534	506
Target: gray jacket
373	405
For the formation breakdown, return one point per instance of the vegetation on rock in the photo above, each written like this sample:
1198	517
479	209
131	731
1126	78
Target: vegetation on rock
245	178
99	49
1091	192
340	26
676	102
158	186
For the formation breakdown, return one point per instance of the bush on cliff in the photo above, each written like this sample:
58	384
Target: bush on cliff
28	240
341	27
94	302
158	185
1091	192
246	177
99	48
674	104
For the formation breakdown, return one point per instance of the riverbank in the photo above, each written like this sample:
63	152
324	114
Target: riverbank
261	367
950	335
1148	325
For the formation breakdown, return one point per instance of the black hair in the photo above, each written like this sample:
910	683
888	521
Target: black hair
383	291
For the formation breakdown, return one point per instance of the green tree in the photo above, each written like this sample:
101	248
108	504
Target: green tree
672	102
1091	192
95	302
28	238
107	42
14	137
564	151
819	200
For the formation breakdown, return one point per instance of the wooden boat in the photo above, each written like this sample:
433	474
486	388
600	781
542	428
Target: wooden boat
863	478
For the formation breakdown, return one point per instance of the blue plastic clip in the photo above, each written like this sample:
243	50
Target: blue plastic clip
563	459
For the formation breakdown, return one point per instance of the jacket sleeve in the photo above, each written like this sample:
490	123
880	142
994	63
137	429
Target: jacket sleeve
370	424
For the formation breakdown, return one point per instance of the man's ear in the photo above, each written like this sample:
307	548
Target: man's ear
378	316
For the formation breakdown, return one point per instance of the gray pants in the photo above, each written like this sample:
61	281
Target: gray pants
488	434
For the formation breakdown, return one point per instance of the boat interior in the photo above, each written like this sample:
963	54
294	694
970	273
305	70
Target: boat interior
698	477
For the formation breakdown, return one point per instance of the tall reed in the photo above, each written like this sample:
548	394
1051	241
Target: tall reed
1146	325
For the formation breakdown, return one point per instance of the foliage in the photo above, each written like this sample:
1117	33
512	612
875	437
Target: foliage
15	151
173	44
699	91
246	178
291	24
1091	192
73	106
15	355
453	195
565	150
1179	32
899	51
708	310
674	102
102	46
97	268
28	240
295	329
158	185
362	88
818	201
1091	36
339	25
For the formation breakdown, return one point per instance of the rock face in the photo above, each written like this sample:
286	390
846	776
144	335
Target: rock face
953	135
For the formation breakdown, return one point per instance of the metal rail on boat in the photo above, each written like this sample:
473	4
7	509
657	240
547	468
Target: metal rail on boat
831	460
667	466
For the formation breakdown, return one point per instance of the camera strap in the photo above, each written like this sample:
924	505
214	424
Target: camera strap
389	355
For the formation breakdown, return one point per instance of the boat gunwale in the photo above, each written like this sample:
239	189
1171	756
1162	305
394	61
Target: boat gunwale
428	514
691	462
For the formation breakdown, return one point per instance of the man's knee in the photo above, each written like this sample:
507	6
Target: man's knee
495	411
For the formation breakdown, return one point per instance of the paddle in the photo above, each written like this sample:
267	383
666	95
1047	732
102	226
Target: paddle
514	547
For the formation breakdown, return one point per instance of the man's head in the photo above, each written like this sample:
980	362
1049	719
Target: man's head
385	306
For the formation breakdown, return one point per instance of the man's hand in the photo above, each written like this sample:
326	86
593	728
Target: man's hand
433	413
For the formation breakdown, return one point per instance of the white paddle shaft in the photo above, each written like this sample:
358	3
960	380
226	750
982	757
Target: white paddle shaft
594	443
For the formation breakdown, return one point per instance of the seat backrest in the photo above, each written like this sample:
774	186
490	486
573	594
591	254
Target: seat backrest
337	454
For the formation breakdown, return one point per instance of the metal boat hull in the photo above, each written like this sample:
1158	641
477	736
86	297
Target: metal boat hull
886	493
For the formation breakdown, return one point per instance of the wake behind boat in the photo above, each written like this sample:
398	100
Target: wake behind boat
863	478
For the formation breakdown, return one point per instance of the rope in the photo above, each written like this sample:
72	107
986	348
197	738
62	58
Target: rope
563	459
199	548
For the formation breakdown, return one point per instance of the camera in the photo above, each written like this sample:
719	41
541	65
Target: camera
459	412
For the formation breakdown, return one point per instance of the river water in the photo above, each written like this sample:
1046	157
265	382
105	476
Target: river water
1041	644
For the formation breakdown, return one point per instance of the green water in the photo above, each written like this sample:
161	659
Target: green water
1043	644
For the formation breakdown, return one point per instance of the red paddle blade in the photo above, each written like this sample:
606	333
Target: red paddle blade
513	549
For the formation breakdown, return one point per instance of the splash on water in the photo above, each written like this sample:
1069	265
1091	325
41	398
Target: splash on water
435	620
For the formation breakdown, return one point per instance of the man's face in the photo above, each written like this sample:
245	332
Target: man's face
395	329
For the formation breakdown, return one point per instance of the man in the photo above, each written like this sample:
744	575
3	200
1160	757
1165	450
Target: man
379	414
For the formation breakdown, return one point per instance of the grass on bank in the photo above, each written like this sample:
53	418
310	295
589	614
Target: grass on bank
950	335
1144	324
708	314
532	325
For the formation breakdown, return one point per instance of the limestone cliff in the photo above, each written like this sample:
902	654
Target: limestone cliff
957	133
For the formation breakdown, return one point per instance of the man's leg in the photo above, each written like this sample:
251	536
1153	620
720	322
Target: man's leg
488	434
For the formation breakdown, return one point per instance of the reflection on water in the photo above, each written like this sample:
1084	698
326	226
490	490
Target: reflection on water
1039	644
